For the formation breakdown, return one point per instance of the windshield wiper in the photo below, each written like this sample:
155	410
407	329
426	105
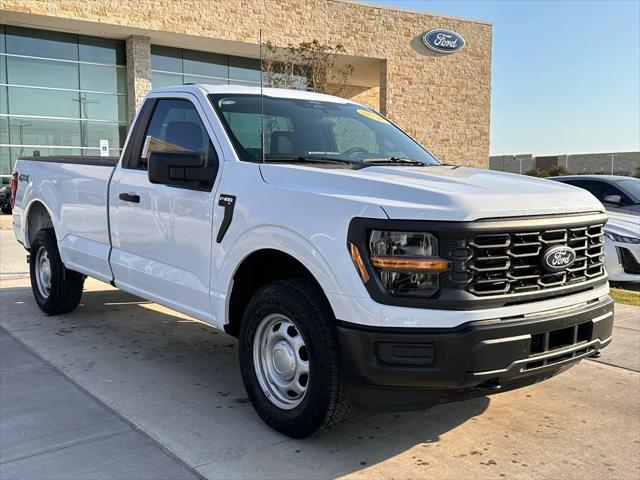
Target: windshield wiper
390	161
305	159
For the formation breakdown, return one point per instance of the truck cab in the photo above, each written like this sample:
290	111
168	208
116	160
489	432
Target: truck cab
354	268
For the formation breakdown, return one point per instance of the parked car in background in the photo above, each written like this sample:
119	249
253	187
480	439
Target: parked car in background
617	193
5	193
622	247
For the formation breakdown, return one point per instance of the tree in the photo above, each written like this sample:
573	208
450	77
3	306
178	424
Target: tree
308	65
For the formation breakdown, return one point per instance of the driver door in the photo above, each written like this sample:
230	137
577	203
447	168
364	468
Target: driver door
161	234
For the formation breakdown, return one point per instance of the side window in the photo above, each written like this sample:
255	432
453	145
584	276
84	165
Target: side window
176	126
591	187
608	189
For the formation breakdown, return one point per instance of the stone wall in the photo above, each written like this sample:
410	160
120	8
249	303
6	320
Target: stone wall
442	100
138	71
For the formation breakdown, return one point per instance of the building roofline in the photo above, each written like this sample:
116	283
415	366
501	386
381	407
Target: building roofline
416	12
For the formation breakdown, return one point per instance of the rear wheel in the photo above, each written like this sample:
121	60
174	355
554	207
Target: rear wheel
55	288
289	359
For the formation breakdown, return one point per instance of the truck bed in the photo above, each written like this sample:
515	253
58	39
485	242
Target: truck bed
75	192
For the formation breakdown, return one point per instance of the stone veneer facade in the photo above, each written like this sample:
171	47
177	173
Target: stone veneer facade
442	100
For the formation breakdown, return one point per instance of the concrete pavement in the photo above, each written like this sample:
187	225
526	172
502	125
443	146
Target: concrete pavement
177	380
51	429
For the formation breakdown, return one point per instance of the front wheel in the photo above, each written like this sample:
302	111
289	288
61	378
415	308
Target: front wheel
55	288
289	359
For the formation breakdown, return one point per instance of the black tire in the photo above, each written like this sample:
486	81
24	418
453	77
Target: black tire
6	210
325	402
65	285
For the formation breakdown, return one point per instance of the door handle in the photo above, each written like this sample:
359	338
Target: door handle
129	197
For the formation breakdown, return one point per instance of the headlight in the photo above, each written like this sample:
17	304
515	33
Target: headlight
621	238
407	263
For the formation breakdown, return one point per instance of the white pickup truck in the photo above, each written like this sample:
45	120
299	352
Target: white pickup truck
353	267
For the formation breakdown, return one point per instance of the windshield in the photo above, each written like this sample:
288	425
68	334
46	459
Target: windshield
632	187
299	130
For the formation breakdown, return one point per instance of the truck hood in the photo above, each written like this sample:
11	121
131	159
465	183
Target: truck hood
436	192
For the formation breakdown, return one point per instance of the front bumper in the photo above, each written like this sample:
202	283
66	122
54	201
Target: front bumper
410	368
622	261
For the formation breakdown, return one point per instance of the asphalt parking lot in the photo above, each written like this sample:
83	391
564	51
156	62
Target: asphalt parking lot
174	382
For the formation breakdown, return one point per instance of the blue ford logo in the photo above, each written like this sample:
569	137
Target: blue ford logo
558	258
443	41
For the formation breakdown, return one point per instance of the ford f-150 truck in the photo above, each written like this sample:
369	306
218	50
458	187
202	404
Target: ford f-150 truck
353	267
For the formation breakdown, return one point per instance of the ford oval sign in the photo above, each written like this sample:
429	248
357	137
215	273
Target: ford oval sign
558	258
443	41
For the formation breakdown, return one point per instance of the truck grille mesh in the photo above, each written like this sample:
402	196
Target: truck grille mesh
506	263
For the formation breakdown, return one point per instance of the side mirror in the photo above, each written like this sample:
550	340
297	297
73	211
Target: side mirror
181	169
616	199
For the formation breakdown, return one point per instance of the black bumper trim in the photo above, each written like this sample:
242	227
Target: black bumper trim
475	358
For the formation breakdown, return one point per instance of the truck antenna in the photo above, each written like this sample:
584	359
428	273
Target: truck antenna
261	101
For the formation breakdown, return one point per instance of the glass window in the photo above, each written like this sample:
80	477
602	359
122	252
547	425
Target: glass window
4	99
349	133
2	47
98	106
166	58
307	128
203	63
48	101
35	101
5	161
205	80
191	66
101	50
103	79
93	132
4	130
161	79
41	43
42	73
3	69
175	126
244	69
36	131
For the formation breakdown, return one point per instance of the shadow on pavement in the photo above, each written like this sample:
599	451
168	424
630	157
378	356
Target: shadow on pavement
178	380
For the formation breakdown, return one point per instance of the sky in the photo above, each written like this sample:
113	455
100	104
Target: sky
565	74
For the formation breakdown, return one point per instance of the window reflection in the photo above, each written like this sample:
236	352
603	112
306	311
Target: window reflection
60	94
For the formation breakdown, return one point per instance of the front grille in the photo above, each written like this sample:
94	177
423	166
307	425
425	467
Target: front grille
510	263
560	340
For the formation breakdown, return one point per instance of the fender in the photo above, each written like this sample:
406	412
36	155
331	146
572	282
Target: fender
226	263
48	198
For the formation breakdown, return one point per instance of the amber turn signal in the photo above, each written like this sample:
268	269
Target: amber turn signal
357	261
400	264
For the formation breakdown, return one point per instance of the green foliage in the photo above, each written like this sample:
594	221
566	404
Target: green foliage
554	172
636	174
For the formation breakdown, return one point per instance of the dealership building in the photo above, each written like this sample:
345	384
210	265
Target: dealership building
73	72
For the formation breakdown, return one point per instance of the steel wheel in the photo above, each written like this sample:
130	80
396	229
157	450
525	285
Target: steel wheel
281	361
43	272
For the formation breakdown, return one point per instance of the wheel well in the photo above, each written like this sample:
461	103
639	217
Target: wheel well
37	219
258	269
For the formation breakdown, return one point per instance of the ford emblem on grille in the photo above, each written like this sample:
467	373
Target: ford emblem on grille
558	258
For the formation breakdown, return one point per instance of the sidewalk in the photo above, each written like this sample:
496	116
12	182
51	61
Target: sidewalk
51	429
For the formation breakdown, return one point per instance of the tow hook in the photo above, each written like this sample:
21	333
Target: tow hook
596	354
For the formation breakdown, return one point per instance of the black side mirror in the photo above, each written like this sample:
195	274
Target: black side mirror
180	169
